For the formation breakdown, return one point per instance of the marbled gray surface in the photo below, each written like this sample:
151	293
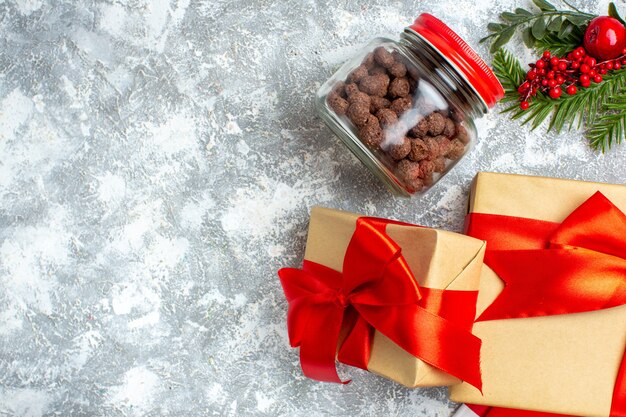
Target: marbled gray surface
157	163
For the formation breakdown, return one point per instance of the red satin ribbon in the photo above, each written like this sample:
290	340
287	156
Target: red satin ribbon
550	268
377	290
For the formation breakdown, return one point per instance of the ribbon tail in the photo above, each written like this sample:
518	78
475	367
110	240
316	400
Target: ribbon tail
357	347
429	337
319	344
555	281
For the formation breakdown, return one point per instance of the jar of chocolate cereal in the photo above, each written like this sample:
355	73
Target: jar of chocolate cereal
406	107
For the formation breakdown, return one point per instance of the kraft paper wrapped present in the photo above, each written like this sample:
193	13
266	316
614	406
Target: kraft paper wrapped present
393	298
560	363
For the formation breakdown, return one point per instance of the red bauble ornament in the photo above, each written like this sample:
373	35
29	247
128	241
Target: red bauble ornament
605	38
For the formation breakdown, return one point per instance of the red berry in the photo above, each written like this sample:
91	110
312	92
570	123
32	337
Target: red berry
584	68
575	65
552	83
544	82
603	71
617	65
542	71
540	64
546	54
624	51
597	78
576	54
524	105
624	61
591	61
581	50
562	66
592	73
571	90
532	74
550	74
585	83
560	79
554	61
609	65
605	37
555	92
524	87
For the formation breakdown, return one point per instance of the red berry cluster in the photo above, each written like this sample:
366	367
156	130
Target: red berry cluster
551	75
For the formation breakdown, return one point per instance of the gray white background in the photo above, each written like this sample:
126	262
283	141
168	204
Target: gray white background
157	163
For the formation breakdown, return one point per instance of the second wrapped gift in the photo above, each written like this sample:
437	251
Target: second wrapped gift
393	298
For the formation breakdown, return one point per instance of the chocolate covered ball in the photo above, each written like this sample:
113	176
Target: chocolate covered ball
383	57
436	123
439	164
398	69
375	85
359	97
401	105
415	185
419	150
408	170
462	134
450	129
371	133
399	87
386	117
350	89
400	150
456	151
420	129
377	103
338	104
358	113
356	75
427	168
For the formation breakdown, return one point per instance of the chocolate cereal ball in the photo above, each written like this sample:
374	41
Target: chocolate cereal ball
340	89
401	105
351	89
377	70
444	144
462	134
419	150
359	97
356	75
398	70
358	113
338	104
427	168
439	164
408	170
368	61
449	130
387	117
400	150
457	148
375	85
415	185
399	87
420	129
370	133
377	103
383	57
436	123
433	147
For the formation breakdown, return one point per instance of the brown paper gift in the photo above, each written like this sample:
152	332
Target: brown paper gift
563	364
438	259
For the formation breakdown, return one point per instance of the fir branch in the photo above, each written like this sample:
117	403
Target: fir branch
609	129
599	105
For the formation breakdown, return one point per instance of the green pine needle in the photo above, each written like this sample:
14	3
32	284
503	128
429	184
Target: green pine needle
602	107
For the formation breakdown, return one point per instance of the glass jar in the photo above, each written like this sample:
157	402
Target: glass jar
406	107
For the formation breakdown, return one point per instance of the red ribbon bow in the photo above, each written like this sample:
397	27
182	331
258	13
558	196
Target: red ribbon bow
377	290
576	266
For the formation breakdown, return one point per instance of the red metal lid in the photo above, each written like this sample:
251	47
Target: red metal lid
461	55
